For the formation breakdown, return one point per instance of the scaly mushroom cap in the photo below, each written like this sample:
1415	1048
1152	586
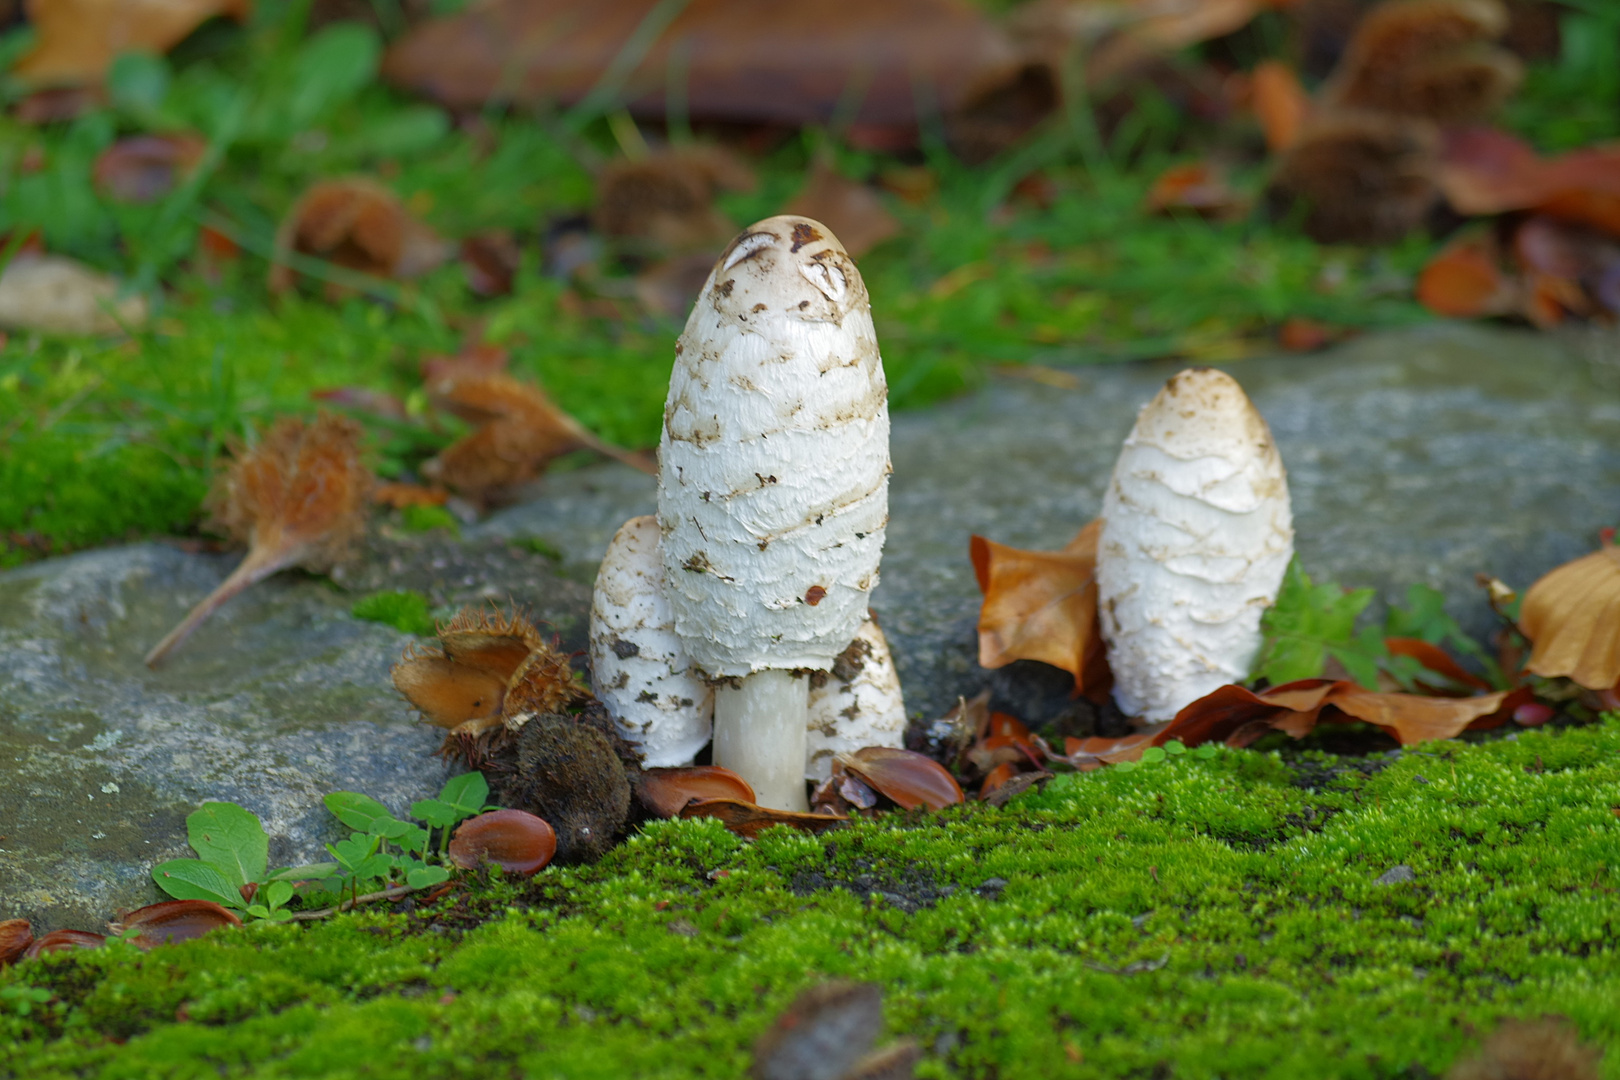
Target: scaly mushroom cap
774	464
639	668
1196	536
859	705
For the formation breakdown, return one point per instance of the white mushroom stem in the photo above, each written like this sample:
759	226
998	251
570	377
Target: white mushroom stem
1196	536
773	484
759	734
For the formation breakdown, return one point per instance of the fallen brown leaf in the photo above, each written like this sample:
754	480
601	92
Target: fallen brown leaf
359	225
142	168
398	495
1548	1048
1122	36
473	361
298	498
665	791
1196	186
76	40
828	1034
1360	177
740	60
490	260
747	819
1464	280
1485	171
520	432
905	777
853	211
1280	103
1572	618
664	204
1042	605
362	399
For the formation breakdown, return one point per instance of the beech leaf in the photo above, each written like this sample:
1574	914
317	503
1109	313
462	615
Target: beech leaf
1572	618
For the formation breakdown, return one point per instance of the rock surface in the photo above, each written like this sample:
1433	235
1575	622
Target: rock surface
1423	456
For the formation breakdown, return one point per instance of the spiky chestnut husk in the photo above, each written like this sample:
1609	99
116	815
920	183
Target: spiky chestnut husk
1196	536
774	461
572	770
639	669
1361	177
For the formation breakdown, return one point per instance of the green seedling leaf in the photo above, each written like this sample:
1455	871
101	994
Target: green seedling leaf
192	879
361	812
354	851
1175	746
258	911
277	893
466	792
1153	754
1309	623
331	67
424	876
138	82
311	872
438	815
230	838
392	829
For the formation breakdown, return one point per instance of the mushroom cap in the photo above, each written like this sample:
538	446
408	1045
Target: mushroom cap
1197	532
859	705
774	461
639	668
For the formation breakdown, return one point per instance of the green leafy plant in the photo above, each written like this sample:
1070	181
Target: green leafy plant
427	518
404	609
1310	623
232	868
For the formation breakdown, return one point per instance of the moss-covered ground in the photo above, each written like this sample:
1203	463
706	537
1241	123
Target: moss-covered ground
1203	916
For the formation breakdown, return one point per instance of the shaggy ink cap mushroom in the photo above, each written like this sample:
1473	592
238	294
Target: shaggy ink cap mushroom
1197	533
773	485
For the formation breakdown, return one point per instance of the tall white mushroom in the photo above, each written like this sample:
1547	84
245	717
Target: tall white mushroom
1196	536
857	704
773	487
639	669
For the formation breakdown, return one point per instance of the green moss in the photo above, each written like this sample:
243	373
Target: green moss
404	609
1210	916
422	518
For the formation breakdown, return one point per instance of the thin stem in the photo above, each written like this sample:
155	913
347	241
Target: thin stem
258	565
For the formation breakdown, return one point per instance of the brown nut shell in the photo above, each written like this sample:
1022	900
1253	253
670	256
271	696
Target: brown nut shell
59	940
176	920
665	792
15	937
515	840
908	778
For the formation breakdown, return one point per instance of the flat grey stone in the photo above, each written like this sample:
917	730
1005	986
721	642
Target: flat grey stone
1423	456
1396	875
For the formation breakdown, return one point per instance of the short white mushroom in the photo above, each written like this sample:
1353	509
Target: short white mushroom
773	487
639	669
1196	536
857	705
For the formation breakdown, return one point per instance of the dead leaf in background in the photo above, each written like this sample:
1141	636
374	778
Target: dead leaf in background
520	432
1464	280
853	211
1042	605
1547	1048
474	361
748	820
1360	178
362	399
1308	335
1434	59
1199	187
76	40
298	498
398	496
828	1034
1437	660
669	288
1484	171
1572	618
143	168
491	260
740	60
57	295
1120	36
1280	103
665	203
906	777
357	224
53	105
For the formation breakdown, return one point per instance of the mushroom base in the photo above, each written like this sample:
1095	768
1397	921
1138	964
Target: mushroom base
759	734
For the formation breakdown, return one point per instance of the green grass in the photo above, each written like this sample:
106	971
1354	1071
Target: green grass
1195	917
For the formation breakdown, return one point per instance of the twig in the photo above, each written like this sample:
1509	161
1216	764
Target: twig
347	905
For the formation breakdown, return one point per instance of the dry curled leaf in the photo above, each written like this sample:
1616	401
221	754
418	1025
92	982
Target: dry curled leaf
143	168
664	792
828	1034
1549	1048
1280	103
520	432
747	819
1427	58
76	40
491	261
738	60
905	777
1121	37
1042	605
63	941
1485	171
356	224
1359	177
1572	618
1199	187
297	499
853	211
1464	280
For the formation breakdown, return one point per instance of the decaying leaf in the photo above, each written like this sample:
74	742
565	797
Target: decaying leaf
1042	605
362	399
907	778
143	168
57	295
828	1034
1121	36
747	819
1572	618
475	360
664	792
491	260
664	203
1485	171
1465	280
853	211
1280	103
356	224
1434	59
1199	187
1359	177
737	60
1549	1048
670	287
398	496
298	498
78	39
520	432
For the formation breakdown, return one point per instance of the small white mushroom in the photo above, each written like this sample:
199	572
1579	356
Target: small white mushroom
639	668
773	487
1196	536
859	704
